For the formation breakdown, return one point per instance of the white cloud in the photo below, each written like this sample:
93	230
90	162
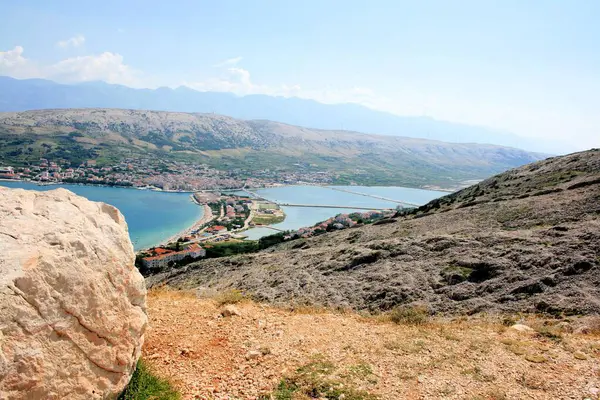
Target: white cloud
108	67
75	41
228	62
12	63
237	80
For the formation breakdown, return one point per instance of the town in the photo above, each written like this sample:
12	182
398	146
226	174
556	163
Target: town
158	174
235	214
224	219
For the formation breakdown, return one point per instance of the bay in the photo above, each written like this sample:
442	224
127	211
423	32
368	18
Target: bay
151	216
155	216
298	217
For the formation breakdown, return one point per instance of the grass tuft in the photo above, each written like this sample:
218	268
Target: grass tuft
317	380
415	315
232	296
145	386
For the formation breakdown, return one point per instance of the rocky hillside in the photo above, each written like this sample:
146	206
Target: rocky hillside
525	240
227	143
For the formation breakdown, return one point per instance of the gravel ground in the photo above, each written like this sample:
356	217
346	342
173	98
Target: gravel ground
208	356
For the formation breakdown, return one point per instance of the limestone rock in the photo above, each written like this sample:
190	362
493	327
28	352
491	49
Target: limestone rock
230	310
72	304
522	328
253	355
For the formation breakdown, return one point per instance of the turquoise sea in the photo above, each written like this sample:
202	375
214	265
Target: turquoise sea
155	216
151	216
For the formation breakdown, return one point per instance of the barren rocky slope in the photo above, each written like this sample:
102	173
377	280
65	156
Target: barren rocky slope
525	240
228	143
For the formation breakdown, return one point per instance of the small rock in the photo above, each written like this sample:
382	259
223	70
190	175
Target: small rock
522	328
185	352
565	327
420	379
230	310
582	330
580	355
253	355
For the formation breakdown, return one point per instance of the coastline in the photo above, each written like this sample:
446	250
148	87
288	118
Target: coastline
207	216
151	188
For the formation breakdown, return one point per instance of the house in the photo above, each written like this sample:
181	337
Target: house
217	229
165	256
7	173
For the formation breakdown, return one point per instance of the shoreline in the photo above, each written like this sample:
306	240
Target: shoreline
207	216
151	188
242	189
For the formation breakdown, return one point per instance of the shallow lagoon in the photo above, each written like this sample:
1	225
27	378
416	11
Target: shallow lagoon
297	217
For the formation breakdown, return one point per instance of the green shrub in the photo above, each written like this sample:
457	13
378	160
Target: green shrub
146	386
409	315
317	380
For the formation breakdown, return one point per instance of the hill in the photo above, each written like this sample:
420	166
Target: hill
110	135
33	94
526	240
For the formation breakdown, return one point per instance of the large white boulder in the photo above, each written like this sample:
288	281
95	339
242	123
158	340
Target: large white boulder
72	304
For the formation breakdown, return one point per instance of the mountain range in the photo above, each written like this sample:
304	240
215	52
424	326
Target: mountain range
33	94
110	135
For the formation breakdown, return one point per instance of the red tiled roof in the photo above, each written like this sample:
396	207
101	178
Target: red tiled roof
159	251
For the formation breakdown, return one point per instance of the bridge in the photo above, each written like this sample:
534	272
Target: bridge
258	197
373	196
331	206
253	194
269	227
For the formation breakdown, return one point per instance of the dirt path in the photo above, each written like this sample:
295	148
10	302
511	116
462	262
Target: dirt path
240	357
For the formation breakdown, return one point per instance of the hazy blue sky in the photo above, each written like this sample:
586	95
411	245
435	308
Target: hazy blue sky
530	67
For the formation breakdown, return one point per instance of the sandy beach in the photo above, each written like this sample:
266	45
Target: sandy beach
206	217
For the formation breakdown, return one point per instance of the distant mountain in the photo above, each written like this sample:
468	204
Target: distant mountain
33	94
228	143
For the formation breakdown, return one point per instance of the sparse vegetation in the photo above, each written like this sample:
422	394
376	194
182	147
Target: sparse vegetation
230	248
549	333
478	375
409	315
232	296
456	273
535	358
144	385
319	380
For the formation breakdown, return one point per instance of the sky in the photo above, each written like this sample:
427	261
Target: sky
531	67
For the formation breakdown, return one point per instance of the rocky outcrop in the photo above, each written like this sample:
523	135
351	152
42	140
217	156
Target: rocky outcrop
72	304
